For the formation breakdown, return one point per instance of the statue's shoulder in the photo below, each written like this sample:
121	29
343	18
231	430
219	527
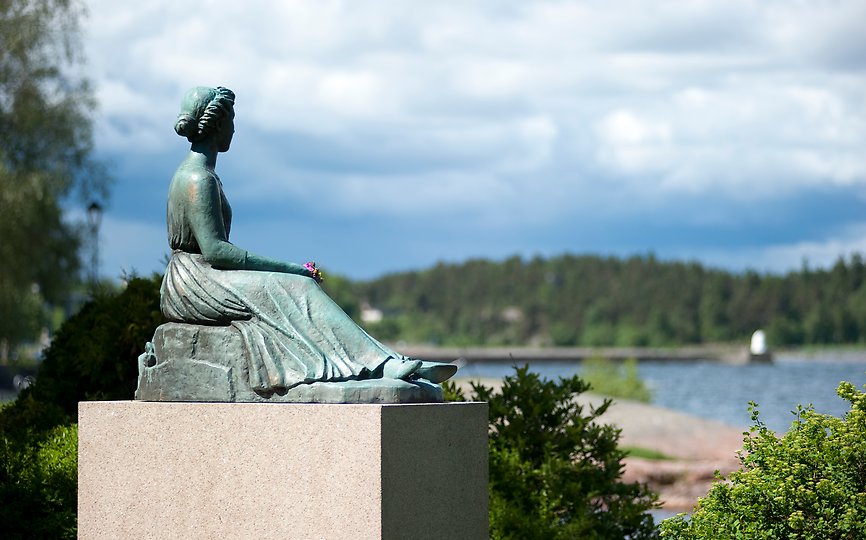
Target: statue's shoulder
189	180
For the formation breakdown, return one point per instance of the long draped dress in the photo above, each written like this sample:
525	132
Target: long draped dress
293	331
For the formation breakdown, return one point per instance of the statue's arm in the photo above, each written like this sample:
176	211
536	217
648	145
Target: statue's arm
206	221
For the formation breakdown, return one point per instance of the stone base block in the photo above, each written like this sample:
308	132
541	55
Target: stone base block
163	470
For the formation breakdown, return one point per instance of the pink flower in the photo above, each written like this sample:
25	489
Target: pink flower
316	273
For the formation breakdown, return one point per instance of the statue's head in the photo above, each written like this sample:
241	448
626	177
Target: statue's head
207	114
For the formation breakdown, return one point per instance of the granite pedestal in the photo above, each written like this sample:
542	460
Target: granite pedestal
282	471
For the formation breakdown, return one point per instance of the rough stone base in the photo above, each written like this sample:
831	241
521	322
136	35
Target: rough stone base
208	363
281	471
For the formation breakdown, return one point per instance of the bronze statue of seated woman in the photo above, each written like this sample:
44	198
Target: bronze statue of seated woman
249	328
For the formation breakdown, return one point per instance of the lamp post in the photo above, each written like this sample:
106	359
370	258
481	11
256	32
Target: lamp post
94	219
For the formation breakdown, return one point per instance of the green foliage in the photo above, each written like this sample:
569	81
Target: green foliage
38	484
554	469
645	453
452	392
27	417
342	292
94	355
45	158
615	379
810	483
387	329
639	301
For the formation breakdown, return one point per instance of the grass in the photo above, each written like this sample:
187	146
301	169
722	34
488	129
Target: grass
645	453
615	379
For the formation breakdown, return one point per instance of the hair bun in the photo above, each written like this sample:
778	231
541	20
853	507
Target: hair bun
186	126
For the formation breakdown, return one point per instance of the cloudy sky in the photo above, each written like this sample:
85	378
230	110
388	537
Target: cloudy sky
387	135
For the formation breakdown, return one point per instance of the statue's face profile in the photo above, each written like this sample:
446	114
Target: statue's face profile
226	133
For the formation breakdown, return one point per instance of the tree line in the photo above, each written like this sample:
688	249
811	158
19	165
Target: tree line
589	300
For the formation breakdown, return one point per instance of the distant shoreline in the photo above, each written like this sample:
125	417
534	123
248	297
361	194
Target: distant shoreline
725	353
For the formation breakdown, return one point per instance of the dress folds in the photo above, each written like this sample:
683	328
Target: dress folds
293	331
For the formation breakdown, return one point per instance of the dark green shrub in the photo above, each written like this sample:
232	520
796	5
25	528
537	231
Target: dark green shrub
810	483
554	469
27	417
94	355
38	485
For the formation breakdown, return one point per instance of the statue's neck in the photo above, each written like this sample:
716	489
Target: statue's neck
204	155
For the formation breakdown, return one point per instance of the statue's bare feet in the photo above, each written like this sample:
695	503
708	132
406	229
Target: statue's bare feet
400	369
435	372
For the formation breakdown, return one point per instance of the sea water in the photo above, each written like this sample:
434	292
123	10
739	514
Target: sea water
722	392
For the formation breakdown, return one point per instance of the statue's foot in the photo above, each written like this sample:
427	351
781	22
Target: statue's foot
400	369
435	372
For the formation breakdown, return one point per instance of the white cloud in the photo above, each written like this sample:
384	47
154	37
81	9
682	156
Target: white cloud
681	78
768	139
353	94
633	144
494	78
531	110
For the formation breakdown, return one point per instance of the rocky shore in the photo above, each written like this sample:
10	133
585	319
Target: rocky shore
695	448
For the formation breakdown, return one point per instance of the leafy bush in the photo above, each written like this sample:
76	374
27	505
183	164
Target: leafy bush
554	470
810	483
93	356
615	379
38	485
